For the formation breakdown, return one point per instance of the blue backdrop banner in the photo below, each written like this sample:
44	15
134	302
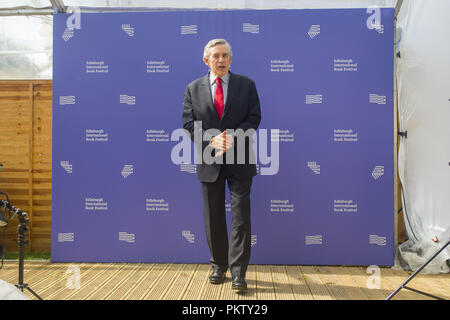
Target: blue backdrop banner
324	194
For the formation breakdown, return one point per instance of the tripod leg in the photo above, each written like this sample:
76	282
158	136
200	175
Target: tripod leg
403	285
22	229
34	293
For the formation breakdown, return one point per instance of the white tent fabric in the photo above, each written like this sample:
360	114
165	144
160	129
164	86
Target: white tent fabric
26	47
25	3
212	4
424	112
235	4
26	41
10	292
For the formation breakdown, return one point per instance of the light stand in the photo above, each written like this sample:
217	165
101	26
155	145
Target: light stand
403	285
22	229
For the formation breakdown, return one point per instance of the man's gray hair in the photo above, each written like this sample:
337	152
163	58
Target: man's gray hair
213	43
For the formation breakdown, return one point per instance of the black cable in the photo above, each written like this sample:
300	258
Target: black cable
404	135
406	213
4	230
3	246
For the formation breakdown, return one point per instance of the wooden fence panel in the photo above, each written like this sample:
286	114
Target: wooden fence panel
25	153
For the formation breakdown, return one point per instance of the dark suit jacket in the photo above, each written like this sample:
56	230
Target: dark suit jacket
242	111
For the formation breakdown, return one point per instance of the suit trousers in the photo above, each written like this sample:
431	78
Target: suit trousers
234	254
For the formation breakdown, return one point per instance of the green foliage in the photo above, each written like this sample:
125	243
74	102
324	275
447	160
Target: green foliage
29	256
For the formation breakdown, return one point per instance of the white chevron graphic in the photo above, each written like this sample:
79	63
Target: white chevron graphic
314	31
66	237
314	167
68	34
190	237
127	237
66	166
377	240
127	170
253	240
250	28
377	172
129	30
66	100
192	29
130	100
313	98
379	28
316	239
374	98
189	168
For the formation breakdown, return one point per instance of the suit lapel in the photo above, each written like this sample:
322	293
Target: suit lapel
206	92
230	93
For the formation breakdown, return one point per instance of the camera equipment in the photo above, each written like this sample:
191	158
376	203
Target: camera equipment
22	229
403	285
3	220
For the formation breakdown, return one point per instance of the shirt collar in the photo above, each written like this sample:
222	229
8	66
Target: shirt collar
213	77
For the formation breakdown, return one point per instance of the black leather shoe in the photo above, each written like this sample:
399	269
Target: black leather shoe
217	277
239	284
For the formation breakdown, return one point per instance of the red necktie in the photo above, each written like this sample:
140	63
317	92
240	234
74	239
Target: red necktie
218	98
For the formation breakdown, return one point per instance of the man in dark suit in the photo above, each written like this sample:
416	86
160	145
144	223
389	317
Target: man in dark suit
222	109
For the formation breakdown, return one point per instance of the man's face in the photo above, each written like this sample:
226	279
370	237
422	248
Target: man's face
219	60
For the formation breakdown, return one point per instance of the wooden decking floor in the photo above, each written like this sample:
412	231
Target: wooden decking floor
128	281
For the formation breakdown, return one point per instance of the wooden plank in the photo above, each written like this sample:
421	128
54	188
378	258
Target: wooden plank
161	286
8	87
283	290
148	281
298	284
39	284
60	284
105	283
390	280
264	283
41	191
129	283
97	273
227	293
22	82
14	144
428	283
41	231
318	289
15	191
115	282
343	279
197	284
6	180
359	277
10	271
336	290
9	172
44	219
30	174
57	281
15	92
41	245
13	98
179	286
